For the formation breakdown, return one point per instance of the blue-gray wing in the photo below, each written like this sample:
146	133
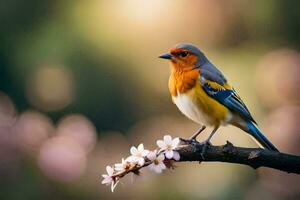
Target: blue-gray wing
227	97
210	72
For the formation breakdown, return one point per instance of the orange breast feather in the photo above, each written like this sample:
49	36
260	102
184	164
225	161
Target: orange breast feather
182	80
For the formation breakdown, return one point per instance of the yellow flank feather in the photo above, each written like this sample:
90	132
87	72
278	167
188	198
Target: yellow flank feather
216	85
216	111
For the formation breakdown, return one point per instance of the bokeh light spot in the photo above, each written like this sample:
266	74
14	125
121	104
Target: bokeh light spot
50	88
32	129
62	159
80	129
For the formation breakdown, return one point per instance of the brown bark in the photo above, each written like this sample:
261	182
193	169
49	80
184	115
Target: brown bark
253	157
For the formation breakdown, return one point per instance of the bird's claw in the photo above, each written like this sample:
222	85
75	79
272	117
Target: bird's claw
205	144
189	141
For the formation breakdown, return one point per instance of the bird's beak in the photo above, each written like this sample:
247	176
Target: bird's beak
166	56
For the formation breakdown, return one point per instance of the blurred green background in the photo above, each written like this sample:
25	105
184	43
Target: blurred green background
80	82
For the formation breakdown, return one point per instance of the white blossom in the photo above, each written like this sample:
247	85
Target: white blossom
123	166
138	154
168	145
108	179
157	164
152	155
155	160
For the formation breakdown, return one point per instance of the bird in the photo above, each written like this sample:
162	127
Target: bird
202	93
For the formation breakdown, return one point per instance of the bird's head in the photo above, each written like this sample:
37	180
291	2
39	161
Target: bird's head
185	56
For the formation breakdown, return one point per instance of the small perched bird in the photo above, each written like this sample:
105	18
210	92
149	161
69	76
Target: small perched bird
202	93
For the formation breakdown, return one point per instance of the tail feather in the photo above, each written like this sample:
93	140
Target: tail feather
259	137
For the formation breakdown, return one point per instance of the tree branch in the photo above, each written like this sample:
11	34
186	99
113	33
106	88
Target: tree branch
172	150
253	157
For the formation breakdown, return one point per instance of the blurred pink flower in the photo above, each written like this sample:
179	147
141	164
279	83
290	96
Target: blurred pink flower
32	129
62	159
80	129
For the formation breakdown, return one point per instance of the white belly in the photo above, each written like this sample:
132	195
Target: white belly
188	106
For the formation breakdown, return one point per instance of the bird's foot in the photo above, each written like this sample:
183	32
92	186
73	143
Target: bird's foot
193	138
189	141
205	144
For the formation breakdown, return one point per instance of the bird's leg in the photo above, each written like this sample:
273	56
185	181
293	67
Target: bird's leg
207	141
193	138
195	135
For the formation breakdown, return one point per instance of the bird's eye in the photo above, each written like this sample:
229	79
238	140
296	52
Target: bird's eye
184	54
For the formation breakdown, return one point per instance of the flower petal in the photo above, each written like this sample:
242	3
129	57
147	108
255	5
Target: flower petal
145	152
160	158
129	159
151	167
109	170
175	142
119	167
141	161
135	159
133	150
162	165
176	155
161	144
140	147
157	169
107	181
151	155
104	175
169	154
168	139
